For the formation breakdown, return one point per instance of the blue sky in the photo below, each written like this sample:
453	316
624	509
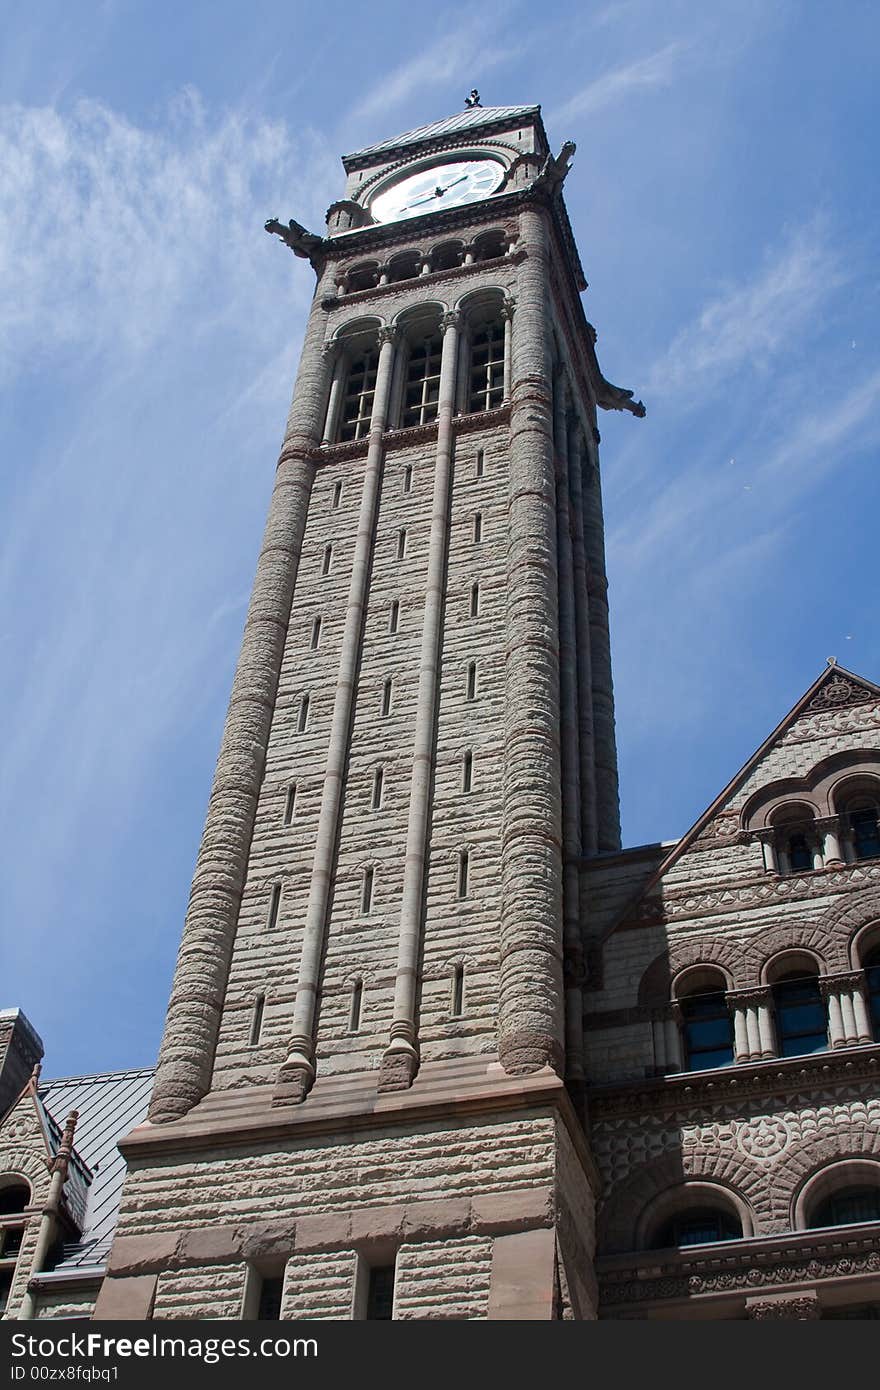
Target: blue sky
724	200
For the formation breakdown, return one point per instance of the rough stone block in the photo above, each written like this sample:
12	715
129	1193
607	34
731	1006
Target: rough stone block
497	1212
143	1254
127	1299
523	1276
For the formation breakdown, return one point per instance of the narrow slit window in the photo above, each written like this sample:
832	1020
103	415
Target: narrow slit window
475	600
316	633
378	787
274	906
467	771
394	616
327	562
269	1306
290	804
481	463
457	1002
472	680
478	527
357	1000
337	495
303	722
407	478
257	1019
367	890
380	1294
386	697
464	867
401	544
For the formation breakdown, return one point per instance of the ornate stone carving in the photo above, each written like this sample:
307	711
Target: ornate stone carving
837	693
802	1307
301	242
763	1139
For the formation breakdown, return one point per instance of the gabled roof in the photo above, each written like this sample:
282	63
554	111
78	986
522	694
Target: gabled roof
474	118
834	689
109	1105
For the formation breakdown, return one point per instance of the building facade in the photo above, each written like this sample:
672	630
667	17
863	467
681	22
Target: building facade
437	1046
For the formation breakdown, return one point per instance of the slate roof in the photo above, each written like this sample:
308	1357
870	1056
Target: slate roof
472	119
109	1106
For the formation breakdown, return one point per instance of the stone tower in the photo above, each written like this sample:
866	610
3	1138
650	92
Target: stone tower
369	1098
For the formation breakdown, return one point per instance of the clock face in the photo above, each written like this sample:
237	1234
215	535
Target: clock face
441	186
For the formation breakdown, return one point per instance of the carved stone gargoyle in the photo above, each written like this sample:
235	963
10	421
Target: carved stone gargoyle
301	242
616	398
556	167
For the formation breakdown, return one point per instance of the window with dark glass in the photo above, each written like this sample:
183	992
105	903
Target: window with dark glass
800	855
269	1308
487	367
699	1228
865	833
801	1025
847	1206
708	1031
422	389
357	402
380	1294
872	981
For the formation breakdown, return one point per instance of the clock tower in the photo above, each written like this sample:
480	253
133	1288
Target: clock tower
369	1098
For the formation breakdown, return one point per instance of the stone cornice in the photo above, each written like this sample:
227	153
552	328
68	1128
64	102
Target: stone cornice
777	1076
740	1267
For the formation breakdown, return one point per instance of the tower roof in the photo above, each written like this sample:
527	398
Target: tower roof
474	118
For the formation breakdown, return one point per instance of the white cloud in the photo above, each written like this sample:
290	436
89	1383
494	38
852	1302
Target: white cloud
653	70
753	322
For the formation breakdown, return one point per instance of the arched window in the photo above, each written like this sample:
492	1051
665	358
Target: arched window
422	387
865	832
447	256
357	400
797	844
801	1021
406	266
487	366
490	246
707	1030
698	1226
15	1197
847	1206
362	277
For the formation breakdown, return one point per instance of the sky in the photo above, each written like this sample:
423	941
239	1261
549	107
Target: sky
723	197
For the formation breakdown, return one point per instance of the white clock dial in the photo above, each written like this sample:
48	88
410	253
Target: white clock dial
441	186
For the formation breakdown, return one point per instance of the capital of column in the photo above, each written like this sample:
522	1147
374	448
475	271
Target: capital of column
749	998
330	350
451	319
847	981
508	307
387	334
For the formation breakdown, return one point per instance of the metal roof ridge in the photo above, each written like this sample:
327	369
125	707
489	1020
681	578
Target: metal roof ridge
94	1076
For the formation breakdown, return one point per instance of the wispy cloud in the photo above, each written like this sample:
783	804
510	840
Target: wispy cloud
653	70
466	44
752	322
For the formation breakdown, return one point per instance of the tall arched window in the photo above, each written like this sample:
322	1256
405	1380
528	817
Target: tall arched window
698	1226
422	387
797	845
848	1205
801	1020
865	832
707	1027
487	366
15	1196
357	400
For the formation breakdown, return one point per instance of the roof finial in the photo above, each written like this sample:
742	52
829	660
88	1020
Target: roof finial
831	661
473	99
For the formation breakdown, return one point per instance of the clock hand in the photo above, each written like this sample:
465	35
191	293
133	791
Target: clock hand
438	192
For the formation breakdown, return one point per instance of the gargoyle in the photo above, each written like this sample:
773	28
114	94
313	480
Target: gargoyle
555	167
616	398
301	242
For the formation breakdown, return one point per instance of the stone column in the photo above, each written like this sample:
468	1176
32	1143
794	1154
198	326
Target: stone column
336	355
463	376
864	1029
674	1051
186	1057
589	834
752	1027
848	1022
507	316
607	798
741	1048
573	955
400	1062
297	1072
829	829
530	1030
768	849
658	1036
